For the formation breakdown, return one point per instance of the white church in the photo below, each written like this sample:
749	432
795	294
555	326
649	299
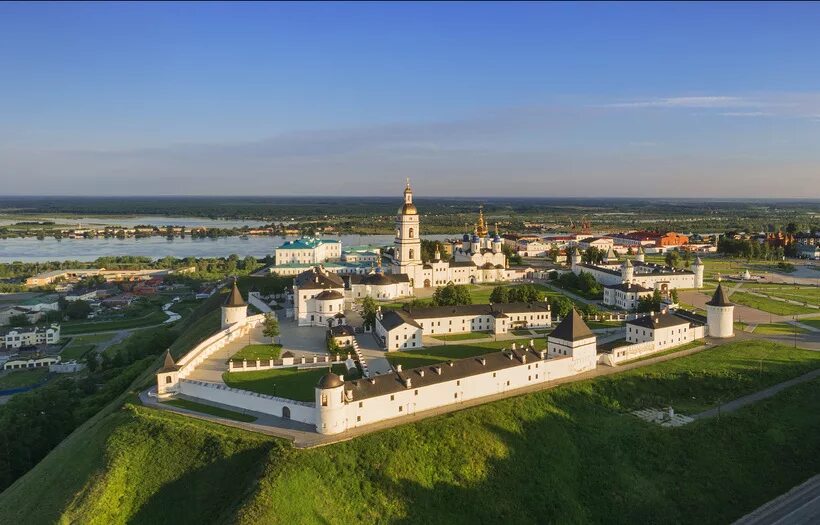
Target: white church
476	259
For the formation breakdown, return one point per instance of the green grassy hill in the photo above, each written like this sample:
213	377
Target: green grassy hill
571	454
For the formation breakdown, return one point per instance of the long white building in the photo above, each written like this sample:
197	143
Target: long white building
403	329
647	275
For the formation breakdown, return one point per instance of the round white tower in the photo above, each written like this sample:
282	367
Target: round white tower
720	315
330	405
576	258
641	256
697	268
627	271
234	310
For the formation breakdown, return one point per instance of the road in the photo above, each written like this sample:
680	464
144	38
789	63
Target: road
800	505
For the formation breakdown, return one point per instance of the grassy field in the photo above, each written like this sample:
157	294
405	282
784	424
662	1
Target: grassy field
21	378
462	337
82	344
811	322
257	351
778	329
154	317
208	409
290	383
805	294
769	305
142	466
436	354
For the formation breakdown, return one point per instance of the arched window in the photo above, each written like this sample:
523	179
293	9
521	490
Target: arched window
412	253
285	413
324	400
411	233
167	379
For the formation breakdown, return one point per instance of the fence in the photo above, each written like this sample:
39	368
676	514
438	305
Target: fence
246	400
315	361
209	346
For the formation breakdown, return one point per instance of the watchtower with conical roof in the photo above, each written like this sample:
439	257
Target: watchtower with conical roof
234	309
330	404
572	337
167	377
697	269
641	257
720	314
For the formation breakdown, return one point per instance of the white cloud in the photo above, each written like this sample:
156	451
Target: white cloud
688	102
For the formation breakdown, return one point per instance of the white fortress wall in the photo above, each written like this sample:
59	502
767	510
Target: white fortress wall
208	347
244	399
412	400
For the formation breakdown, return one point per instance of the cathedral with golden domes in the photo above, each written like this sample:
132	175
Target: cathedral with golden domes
477	258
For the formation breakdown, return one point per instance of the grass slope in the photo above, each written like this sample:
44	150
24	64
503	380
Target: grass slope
572	454
21	378
436	354
770	305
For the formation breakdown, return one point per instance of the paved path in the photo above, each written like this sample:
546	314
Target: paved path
800	505
369	348
741	402
119	337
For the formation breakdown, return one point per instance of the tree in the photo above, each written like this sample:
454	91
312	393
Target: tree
369	311
270	326
249	264
560	306
674	295
78	309
91	361
672	258
451	295
19	320
499	295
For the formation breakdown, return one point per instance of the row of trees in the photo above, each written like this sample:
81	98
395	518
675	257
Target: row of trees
751	249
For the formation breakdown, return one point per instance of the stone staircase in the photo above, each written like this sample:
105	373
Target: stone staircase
362	360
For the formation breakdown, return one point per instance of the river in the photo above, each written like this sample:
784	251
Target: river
158	221
30	249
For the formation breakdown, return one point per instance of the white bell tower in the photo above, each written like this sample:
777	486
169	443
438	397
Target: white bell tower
408	241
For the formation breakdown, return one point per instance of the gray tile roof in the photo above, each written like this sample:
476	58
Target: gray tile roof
719	298
439	373
572	328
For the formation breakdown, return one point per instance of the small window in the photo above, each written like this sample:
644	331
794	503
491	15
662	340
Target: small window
455	396
167	379
358	418
401	408
361	404
392	398
417	392
458	383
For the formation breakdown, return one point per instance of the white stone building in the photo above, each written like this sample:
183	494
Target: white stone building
308	250
318	297
625	295
403	329
342	405
665	329
31	336
647	275
476	259
379	286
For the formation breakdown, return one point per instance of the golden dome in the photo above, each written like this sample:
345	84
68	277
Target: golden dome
408	208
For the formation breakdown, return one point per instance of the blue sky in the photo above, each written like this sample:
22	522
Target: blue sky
474	99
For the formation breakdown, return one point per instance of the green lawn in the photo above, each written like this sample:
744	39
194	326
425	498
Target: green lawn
290	383
208	409
75	351
21	378
145	466
154	317
257	351
462	337
815	323
437	354
778	329
805	294
82	344
604	324
769	305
